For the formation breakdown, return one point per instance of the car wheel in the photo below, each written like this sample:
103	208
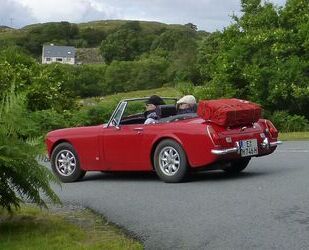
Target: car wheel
170	161
236	166
65	163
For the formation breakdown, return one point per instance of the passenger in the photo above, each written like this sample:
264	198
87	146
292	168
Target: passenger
186	104
151	109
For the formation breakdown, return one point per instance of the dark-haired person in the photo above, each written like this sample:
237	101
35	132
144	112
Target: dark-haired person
151	106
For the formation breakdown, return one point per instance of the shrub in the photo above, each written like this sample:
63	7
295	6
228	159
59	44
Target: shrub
21	176
289	123
99	114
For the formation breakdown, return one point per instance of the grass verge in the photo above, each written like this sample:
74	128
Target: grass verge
294	136
60	228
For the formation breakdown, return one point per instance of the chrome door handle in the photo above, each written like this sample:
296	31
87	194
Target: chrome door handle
138	129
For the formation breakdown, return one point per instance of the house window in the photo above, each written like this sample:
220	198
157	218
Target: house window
58	59
48	59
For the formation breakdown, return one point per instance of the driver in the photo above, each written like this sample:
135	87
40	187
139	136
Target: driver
151	109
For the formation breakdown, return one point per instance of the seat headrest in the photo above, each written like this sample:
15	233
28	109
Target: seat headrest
166	110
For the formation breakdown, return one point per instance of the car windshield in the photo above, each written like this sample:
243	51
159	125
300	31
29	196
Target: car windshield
116	119
137	107
132	111
133	108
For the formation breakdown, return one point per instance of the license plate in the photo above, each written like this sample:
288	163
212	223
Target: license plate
248	147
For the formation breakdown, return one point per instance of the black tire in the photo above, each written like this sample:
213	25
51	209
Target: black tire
65	151
177	161
236	166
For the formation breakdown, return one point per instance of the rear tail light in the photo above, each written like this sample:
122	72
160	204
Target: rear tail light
213	135
271	129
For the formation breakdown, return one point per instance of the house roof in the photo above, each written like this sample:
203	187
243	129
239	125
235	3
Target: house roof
58	51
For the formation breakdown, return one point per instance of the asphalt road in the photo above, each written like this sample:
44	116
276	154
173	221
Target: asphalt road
265	207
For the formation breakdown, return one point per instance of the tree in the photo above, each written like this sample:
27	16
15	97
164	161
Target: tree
191	26
181	49
16	68
50	89
262	56
93	36
21	176
125	44
88	80
61	33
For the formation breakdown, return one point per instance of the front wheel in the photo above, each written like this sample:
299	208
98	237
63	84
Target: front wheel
65	163
236	166
170	161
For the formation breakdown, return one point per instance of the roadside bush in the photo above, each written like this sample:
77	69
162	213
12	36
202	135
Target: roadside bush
21	176
49	89
285	122
122	76
16	68
185	88
50	119
87	80
99	114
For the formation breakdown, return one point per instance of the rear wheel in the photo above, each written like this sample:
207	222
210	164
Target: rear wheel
65	163
170	161
236	166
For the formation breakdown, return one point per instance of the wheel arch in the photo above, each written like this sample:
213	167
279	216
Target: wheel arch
158	140
56	143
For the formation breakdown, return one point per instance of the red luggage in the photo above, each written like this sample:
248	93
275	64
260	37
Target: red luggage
229	112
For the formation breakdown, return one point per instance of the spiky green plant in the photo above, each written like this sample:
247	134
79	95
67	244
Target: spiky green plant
22	178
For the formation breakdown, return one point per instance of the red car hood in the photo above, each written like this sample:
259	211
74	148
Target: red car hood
72	131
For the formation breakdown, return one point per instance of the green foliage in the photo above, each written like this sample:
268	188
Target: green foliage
125	44
180	48
15	68
87	80
262	57
49	89
92	36
185	88
47	120
46	85
14	55
127	76
21	176
289	123
61	33
65	228
99	114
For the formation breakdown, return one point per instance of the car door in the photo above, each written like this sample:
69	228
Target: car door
122	147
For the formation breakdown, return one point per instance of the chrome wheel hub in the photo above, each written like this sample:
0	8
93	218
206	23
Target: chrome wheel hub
65	162
169	161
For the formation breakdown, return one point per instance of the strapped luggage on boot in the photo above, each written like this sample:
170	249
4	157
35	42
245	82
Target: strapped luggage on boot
229	112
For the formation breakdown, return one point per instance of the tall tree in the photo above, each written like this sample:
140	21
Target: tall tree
262	56
125	44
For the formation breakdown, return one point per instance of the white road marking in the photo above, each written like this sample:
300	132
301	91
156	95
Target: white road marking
292	150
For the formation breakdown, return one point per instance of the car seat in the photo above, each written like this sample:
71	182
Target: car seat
166	110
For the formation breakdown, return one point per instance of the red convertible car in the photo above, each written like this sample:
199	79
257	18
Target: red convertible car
172	147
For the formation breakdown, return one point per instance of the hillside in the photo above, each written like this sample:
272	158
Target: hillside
121	36
111	25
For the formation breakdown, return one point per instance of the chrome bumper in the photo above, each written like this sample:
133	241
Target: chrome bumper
265	145
275	143
224	151
235	149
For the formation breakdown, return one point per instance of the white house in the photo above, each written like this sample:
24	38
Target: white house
60	54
